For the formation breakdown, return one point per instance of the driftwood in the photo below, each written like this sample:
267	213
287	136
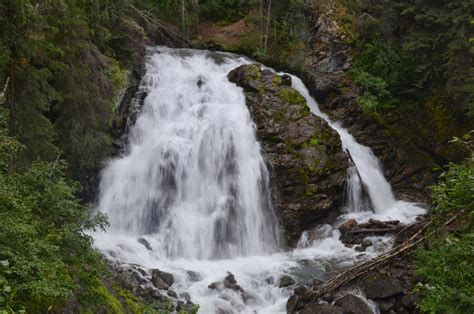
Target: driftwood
372	227
363	268
382	224
360	269
376	231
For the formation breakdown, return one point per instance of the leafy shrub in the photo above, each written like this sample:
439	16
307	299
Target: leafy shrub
446	266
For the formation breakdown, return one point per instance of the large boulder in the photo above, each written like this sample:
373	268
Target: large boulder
378	286
353	304
307	164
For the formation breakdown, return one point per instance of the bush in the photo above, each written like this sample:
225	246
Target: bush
446	267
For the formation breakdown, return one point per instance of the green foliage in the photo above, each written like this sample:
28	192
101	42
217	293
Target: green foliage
448	273
292	97
63	78
42	238
406	52
46	258
227	11
446	266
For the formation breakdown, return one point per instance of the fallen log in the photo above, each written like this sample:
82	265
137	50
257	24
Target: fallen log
380	223
377	231
360	269
353	272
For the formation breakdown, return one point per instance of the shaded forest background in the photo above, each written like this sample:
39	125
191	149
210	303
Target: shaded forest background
65	65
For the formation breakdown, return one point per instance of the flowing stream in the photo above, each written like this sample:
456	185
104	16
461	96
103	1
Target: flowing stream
192	182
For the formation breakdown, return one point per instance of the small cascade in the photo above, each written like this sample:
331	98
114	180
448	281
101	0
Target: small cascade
367	167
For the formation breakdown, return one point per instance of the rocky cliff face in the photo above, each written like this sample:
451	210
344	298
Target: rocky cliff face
307	164
326	62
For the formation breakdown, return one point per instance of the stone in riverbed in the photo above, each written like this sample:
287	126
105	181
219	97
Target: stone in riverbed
366	243
360	248
285	281
379	286
145	243
353	304
348	225
172	293
161	280
314	308
231	283
408	302
159	283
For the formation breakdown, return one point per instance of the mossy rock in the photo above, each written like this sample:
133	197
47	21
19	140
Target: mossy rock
305	153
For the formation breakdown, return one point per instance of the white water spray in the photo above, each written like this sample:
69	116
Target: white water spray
194	185
193	175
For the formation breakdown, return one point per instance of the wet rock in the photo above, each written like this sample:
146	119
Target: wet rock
216	285
145	243
313	308
159	283
172	293
353	304
194	276
304	292
285	281
231	283
185	296
200	81
305	155
131	279
385	306
166	277
294	304
322	86
161	280
379	286
367	243
408	302
348	225
360	248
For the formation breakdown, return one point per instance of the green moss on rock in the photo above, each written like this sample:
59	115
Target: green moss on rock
292	97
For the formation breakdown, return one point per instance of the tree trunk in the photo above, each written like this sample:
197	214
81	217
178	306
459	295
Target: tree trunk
267	27
183	16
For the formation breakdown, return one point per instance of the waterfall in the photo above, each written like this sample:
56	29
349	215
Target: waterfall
366	163
190	193
193	175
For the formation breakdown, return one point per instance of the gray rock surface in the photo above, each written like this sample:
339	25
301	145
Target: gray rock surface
307	164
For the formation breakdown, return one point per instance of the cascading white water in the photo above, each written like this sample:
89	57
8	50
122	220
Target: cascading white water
379	190
193	184
193	175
